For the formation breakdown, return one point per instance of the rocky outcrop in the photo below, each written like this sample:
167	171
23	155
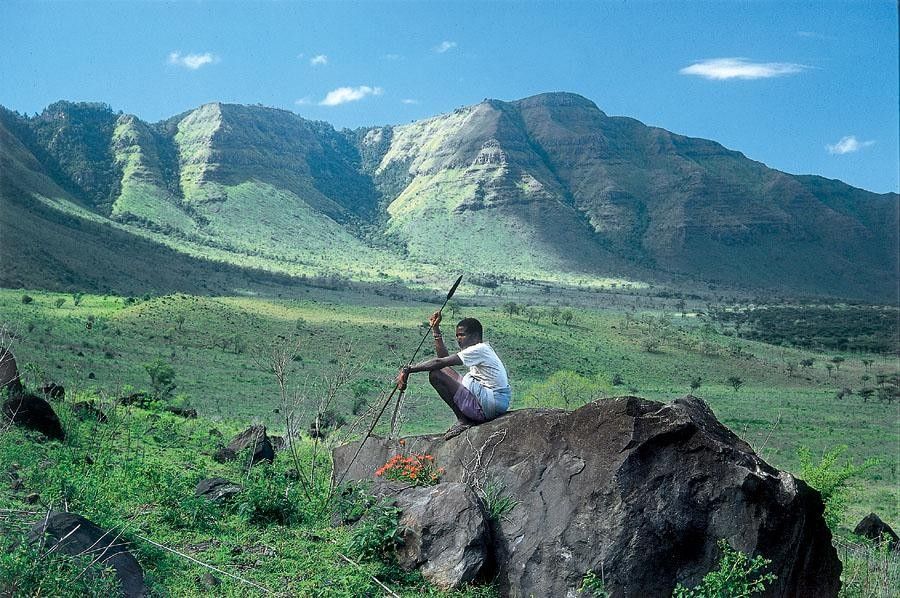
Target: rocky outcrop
9	373
637	489
71	534
33	413
444	533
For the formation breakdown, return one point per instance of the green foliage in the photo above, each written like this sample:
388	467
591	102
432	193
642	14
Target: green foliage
28	570
593	585
738	576
565	389
267	497
831	479
162	378
735	382
871	328
377	534
497	503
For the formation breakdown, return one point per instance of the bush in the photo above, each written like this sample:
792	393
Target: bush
266	497
378	534
26	299
26	571
831	480
737	576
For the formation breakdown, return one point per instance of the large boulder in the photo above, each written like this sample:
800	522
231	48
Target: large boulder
74	535
638	490
34	413
444	533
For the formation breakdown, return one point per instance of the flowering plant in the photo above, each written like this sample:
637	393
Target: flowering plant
418	469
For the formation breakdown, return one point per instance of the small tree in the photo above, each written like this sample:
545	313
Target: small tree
866	394
567	316
162	378
806	363
511	308
696	383
837	361
734	382
76	298
59	302
555	314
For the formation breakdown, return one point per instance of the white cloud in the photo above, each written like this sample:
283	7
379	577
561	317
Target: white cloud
444	46
342	95
848	145
192	61
318	60
392	57
304	101
409	101
720	69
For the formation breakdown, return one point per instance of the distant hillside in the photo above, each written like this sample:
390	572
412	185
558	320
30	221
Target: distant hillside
547	187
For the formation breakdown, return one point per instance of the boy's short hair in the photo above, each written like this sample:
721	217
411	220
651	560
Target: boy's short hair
471	326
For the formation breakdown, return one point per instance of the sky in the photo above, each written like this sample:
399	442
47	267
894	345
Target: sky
804	87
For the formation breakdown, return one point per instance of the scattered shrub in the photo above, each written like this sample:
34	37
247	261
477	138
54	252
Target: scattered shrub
737	576
378	534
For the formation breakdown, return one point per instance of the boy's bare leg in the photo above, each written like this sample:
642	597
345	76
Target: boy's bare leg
446	382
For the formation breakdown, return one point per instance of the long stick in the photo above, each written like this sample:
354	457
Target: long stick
387	400
396	413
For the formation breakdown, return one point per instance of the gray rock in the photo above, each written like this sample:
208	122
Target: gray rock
74	535
641	489
444	533
217	489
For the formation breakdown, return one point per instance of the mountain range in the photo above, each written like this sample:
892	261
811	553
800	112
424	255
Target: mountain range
548	187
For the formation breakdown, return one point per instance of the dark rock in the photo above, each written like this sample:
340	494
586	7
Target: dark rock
34	413
53	391
88	410
639	489
92	376
444	533
224	455
74	535
185	412
216	489
33	498
9	373
278	443
253	438
138	399
874	528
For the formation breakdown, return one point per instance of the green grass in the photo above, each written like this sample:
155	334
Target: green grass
218	348
136	474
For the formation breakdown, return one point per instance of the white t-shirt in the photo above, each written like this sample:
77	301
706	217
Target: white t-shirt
484	366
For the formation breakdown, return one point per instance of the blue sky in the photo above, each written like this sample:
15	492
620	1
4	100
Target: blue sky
805	87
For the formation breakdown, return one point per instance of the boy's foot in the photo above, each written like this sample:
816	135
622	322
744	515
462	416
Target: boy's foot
456	429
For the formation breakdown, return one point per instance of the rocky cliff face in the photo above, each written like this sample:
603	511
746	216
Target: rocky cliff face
637	490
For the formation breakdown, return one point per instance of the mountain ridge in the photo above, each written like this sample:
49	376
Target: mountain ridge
527	188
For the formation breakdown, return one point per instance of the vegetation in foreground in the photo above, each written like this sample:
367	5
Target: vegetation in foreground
216	354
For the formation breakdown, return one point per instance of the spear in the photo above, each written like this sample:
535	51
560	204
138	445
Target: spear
387	400
413	358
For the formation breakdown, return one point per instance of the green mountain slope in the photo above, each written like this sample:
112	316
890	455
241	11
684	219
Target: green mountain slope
599	193
548	187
